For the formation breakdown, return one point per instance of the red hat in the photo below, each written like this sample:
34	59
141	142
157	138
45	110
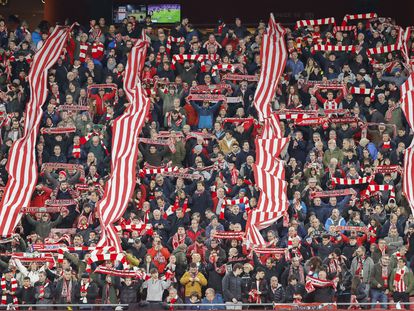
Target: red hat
62	173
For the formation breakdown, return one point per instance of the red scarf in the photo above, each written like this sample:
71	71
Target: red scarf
76	151
254	297
170	120
386	145
177	240
173	301
13	289
83	51
333	265
97	50
360	268
384	275
312	282
67	290
234	175
399	284
291	238
42	289
372	229
388	114
84	289
177	204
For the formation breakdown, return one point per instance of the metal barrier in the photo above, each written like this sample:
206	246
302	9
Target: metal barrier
251	306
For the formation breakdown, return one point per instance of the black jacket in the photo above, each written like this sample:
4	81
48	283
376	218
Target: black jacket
129	294
276	295
58	292
231	287
26	295
92	292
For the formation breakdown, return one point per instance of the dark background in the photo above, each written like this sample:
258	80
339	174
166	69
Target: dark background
207	12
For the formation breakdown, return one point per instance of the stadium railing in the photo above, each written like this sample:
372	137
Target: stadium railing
250	306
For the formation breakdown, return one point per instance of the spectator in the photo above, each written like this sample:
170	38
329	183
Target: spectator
232	287
193	281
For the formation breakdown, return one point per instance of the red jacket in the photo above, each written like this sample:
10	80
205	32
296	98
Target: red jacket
194	249
193	235
232	42
160	259
38	200
99	105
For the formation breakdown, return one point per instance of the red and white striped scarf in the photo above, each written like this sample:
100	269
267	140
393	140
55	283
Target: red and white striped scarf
334	48
372	238
172	209
35	257
362	91
194	57
348	181
384	275
228	235
360	266
386	144
177	240
244	200
121	273
349	17
221	67
176	122
42	288
330	104
399	284
314	22
99	255
382	50
312	282
157	170
345	28
13	289
97	50
254	296
140	228
83	51
76	151
349	228
373	188
290	240
84	290
171	39
234	176
333	265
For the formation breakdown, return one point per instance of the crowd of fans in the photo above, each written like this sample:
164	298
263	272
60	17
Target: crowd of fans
176	252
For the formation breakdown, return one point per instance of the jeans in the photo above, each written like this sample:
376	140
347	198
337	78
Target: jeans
378	296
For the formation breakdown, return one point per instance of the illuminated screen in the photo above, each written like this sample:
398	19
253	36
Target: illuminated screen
164	13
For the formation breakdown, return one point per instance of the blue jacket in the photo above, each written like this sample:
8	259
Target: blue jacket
329	222
217	299
205	115
372	150
296	68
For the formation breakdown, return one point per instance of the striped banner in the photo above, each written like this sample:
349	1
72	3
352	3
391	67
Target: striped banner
126	128
269	170
407	106
22	166
273	55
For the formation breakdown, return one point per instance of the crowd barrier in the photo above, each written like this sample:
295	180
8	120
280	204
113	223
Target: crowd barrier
392	306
